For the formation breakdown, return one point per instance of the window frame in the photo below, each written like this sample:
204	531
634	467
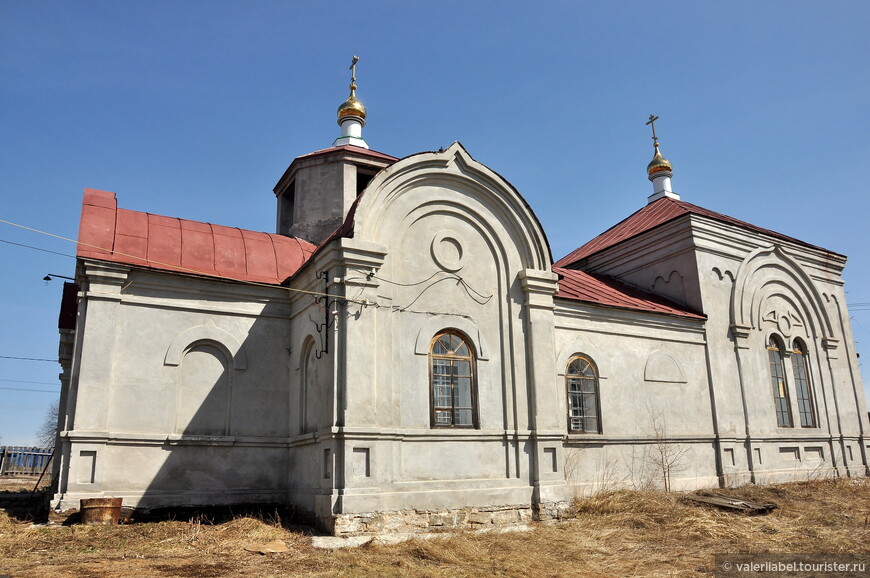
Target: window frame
596	382
780	389
471	358
804	393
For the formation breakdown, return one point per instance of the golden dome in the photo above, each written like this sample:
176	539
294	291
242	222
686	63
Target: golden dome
351	106
658	163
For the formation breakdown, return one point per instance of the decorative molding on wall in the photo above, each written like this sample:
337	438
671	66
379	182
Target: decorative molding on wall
740	334
207	332
769	273
579	347
438	323
661	366
672	287
721	274
783	317
448	251
488	197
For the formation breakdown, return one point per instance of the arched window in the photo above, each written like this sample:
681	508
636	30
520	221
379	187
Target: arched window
777	381
454	402
802	385
581	382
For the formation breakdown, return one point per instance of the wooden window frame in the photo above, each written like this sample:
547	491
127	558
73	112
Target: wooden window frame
778	382
800	367
596	381
472	376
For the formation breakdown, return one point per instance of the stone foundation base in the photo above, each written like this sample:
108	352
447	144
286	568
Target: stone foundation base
427	521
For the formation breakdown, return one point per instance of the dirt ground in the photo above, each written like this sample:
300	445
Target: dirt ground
21	483
616	534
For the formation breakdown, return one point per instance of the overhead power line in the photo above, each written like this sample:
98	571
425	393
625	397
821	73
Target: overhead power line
26	389
20	407
37	248
174	267
33	382
27	358
853	307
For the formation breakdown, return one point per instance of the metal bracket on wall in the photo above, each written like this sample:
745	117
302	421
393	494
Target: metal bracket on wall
330	312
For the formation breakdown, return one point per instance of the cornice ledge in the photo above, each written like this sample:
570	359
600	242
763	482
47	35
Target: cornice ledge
831	347
106	274
740	334
539	287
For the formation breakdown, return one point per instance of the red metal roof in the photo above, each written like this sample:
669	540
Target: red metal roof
351	148
603	290
655	214
134	238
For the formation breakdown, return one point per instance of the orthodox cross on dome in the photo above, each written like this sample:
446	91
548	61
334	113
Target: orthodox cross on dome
659	170
351	115
652	121
353	72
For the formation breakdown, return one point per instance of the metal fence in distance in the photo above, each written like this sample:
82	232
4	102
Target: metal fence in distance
24	460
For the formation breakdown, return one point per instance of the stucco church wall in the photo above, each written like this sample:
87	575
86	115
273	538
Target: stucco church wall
639	464
623	344
254	394
476	294
775	453
716	253
316	215
452	253
198	393
390	377
716	276
653	395
844	363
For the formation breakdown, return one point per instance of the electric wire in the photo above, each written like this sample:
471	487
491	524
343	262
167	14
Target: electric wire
315	294
20	407
854	306
461	281
484	299
172	266
403	284
468	287
27	358
37	248
27	389
25	381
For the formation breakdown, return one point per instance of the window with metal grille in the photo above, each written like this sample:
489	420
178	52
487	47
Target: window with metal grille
777	381
581	381
802	384
453	394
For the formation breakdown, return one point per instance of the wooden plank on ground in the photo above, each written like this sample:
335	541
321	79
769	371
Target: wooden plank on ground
730	503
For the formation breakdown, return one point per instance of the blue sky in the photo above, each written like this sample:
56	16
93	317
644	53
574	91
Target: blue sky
194	109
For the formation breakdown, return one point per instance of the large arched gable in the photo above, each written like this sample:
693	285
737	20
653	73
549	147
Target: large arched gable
488	196
768	273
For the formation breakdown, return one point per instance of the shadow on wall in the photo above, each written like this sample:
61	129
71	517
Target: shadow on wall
232	413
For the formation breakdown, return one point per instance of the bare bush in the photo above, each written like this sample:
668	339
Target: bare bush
47	432
666	455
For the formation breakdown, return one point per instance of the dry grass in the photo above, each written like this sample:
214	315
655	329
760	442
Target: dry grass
614	534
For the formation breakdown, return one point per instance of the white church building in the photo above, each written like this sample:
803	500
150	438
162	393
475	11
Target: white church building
403	353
